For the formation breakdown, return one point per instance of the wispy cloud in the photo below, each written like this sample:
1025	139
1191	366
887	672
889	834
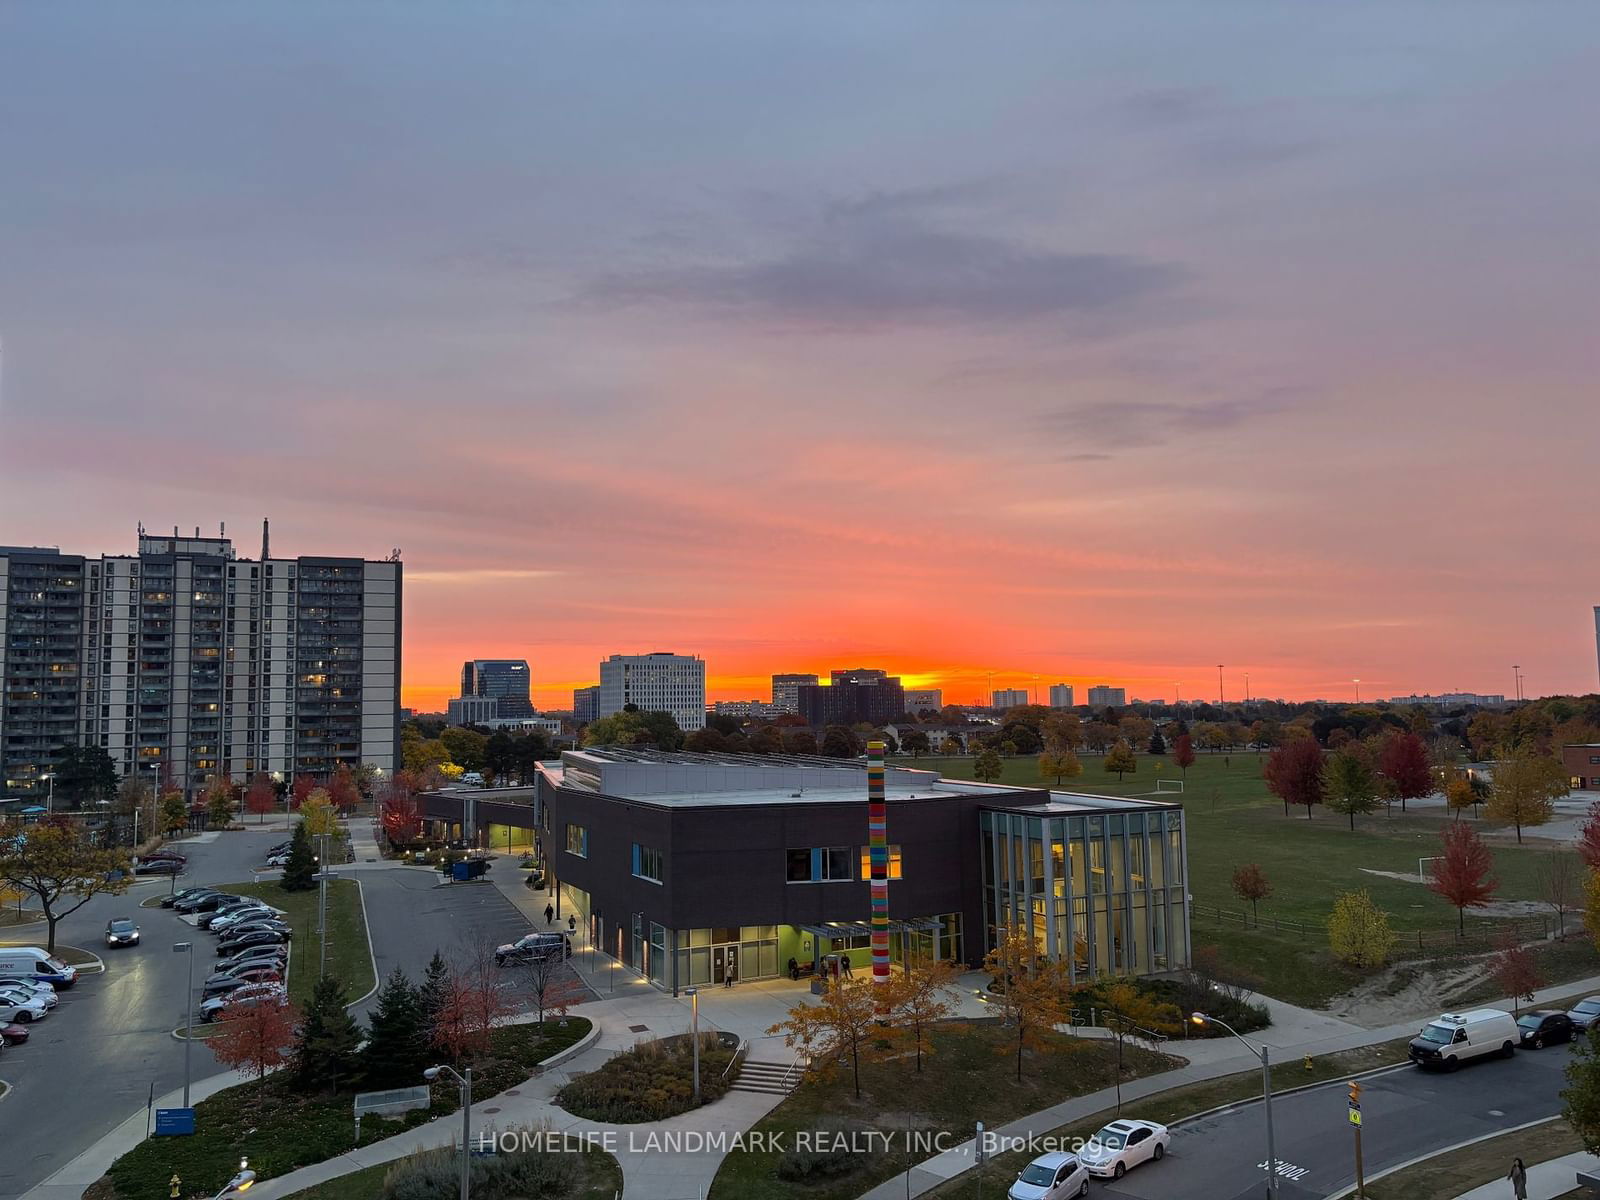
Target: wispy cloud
478	575
1102	426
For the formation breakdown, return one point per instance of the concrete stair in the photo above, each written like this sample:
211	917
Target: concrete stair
768	1077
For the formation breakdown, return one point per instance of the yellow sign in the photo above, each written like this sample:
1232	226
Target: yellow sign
1355	1116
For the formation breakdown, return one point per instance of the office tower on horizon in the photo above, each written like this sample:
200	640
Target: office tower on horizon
1060	695
585	704
1008	698
1103	695
507	680
655	682
785	691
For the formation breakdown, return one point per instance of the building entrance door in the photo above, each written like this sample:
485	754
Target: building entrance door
725	964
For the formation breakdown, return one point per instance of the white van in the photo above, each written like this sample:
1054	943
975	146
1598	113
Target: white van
1451	1038
39	964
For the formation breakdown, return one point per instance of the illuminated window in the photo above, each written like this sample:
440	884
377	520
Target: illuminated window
894	862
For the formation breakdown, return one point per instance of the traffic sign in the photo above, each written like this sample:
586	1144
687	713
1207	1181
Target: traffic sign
1355	1114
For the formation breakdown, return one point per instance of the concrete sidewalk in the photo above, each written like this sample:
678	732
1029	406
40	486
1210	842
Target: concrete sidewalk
1546	1180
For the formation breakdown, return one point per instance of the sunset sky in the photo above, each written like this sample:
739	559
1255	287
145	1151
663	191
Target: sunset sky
1092	342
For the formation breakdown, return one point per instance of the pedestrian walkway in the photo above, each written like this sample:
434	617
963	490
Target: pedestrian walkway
363	841
1546	1180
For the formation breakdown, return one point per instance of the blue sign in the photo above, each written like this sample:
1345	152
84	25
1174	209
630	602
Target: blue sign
171	1122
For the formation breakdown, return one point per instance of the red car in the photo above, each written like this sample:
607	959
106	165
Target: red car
13	1033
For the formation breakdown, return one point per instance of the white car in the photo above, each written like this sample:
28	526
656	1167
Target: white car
240	914
1122	1145
37	987
21	1011
20	994
1051	1177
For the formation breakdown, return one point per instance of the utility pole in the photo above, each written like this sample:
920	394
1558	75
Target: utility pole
1516	673
1357	682
1220	700
1355	1124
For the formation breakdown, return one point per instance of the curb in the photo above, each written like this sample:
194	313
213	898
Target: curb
572	1051
1422	1158
372	955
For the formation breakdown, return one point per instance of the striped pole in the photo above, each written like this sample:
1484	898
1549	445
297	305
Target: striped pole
878	848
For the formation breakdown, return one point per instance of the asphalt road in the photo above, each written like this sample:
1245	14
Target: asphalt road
93	1061
410	916
1405	1113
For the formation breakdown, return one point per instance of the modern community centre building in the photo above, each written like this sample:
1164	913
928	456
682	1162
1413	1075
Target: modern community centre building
698	869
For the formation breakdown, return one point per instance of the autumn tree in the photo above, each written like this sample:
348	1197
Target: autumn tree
1183	754
318	814
1462	873
1349	784
1129	1012
1121	759
402	820
59	867
254	1037
919	999
218	799
344	793
174	813
1515	971
1588	844
1358	930
1591	906
844	1024
1294	773
1403	763
1459	793
261	797
1062	732
1560	877
301	789
552	986
1250	884
987	766
1526	788
1059	766
916	743
1030	991
474	1002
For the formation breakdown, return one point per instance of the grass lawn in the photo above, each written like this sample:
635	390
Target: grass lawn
969	1077
280	1128
1232	820
601	1180
1448	1175
349	954
1166	1107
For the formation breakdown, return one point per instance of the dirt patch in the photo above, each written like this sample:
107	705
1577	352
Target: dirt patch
1408	988
1496	908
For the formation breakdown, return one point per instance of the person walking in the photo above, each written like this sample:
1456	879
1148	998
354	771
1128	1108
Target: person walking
572	924
549	914
1518	1175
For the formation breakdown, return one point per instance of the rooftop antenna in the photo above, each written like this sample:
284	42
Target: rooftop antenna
266	541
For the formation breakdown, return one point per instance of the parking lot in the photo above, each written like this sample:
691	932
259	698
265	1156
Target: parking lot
107	1046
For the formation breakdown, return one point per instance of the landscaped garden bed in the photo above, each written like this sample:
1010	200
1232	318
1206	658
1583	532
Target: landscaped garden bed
652	1081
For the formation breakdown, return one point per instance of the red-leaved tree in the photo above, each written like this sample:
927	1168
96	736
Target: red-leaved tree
343	791
1462	873
1294	773
1589	838
1250	883
1516	972
1183	753
304	785
475	1001
1403	763
401	820
262	796
254	1037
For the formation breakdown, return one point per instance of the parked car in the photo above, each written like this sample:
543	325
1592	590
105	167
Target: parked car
535	947
204	902
21	993
235	972
121	931
232	983
184	894
27	984
164	853
1542	1027
1051	1177
22	1010
13	1033
278	860
1122	1145
1585	1012
243	940
252	924
227	918
228	908
1451	1038
211	1009
36	964
159	866
271	955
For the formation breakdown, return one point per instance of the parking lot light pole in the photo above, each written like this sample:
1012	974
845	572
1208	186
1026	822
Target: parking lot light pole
188	1020
694	1009
322	878
464	1083
1260	1052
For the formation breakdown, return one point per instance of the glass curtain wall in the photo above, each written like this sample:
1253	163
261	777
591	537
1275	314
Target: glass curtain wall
1104	892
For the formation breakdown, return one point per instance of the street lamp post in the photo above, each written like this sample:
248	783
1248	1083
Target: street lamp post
1357	682
241	1182
464	1082
50	799
322	878
1260	1052
694	1009
188	1020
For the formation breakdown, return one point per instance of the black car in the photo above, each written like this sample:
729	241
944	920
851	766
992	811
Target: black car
253	925
159	866
185	894
269	955
1544	1026
120	931
535	947
243	941
208	902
